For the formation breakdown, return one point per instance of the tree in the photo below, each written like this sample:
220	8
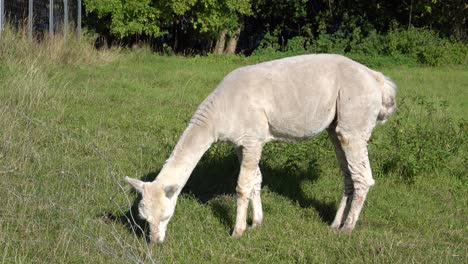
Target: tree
222	20
219	25
219	20
129	17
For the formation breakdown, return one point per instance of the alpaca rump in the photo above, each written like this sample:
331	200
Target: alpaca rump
288	99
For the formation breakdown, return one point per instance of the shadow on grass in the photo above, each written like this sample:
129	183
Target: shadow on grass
214	180
130	219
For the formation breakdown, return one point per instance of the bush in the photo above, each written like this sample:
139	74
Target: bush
268	45
443	53
297	44
367	45
423	140
424	46
398	46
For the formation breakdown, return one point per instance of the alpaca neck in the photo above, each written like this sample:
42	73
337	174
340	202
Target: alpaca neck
191	146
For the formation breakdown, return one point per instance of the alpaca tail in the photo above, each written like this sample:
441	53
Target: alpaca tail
388	88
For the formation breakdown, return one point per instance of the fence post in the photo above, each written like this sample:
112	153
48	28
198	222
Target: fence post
51	17
65	18
30	19
2	7
78	20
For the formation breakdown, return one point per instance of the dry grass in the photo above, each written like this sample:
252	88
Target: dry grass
17	48
28	69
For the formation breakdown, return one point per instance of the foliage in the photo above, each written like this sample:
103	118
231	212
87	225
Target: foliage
268	45
171	19
297	43
356	26
361	28
129	17
420	45
425	46
214	15
413	150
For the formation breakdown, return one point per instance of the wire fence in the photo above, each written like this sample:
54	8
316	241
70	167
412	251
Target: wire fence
42	16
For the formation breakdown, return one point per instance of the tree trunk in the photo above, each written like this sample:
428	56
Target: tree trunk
232	43
220	43
176	35
410	14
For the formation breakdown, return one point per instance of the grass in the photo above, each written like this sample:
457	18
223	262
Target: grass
73	128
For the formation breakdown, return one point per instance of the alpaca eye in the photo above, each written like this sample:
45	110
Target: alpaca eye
141	210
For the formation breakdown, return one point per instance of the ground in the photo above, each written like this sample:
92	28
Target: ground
72	132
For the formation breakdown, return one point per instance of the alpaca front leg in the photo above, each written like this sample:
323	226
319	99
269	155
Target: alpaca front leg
257	212
241	216
245	187
244	190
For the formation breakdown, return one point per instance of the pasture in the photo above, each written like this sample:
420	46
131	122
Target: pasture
70	132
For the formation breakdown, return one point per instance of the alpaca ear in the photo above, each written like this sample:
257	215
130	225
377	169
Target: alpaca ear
137	184
170	190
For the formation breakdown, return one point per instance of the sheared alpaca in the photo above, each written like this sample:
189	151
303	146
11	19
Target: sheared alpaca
287	99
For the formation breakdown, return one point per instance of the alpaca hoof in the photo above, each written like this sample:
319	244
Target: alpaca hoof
256	224
237	233
335	226
346	230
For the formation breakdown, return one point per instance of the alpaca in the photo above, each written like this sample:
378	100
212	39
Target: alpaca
288	99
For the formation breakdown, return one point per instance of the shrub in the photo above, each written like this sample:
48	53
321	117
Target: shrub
443	53
425	46
372	44
421	140
297	44
268	45
398	46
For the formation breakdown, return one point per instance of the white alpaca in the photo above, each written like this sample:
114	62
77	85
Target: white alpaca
288	99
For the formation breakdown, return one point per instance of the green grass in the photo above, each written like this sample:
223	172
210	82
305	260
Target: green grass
72	130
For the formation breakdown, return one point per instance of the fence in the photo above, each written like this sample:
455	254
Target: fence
41	16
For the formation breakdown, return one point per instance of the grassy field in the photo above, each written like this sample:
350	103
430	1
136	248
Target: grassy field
75	124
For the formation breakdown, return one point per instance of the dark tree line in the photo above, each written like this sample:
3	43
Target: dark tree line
227	26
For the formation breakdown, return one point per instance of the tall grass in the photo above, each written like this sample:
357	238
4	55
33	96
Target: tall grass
16	47
28	69
35	150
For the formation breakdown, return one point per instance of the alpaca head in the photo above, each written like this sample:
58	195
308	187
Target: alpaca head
156	206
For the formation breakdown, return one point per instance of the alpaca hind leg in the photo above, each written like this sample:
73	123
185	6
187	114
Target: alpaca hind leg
362	181
344	206
345	203
245	185
354	147
358	105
